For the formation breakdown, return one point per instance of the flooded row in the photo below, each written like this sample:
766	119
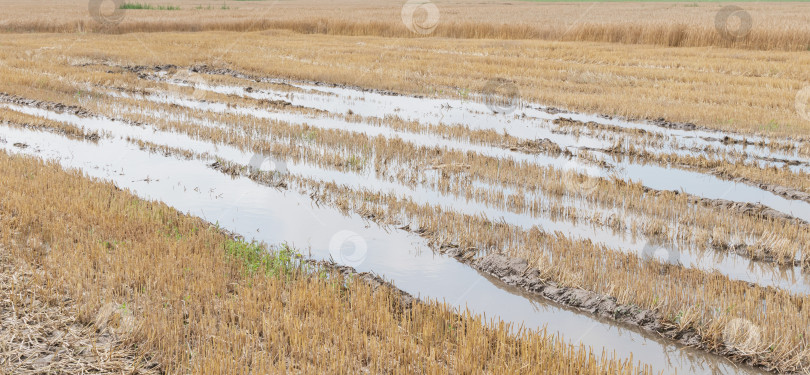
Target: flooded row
525	126
526	121
730	264
275	216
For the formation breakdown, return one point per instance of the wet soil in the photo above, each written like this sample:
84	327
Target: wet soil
516	272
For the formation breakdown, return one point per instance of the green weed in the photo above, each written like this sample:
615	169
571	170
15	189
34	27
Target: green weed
256	258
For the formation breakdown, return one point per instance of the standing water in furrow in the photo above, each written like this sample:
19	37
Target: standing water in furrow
733	265
524	122
701	185
273	216
532	123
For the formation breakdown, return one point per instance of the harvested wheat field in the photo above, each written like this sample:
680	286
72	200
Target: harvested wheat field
404	187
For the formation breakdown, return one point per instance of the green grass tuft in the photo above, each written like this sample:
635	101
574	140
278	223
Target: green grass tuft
256	258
